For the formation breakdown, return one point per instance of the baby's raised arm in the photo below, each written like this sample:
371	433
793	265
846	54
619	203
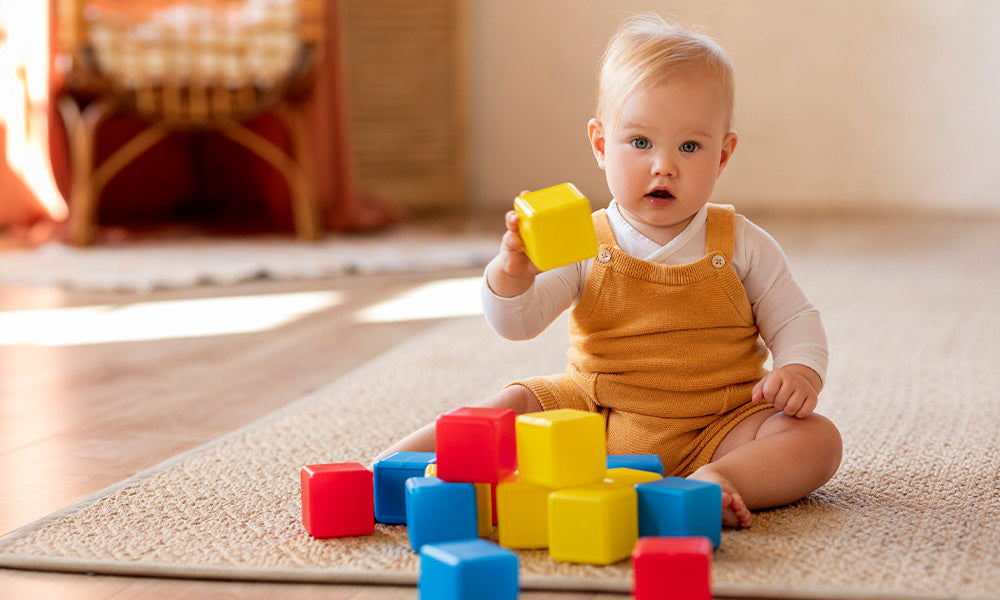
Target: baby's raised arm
519	301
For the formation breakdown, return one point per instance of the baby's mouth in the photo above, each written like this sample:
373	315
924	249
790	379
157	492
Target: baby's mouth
660	197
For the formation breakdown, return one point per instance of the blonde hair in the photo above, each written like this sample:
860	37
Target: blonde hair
647	50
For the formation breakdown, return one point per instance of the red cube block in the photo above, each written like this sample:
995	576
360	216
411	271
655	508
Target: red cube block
476	444
337	500
672	567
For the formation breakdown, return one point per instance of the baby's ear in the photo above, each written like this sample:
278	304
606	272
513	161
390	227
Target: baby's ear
595	130
728	147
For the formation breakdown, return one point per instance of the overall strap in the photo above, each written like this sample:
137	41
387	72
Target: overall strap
602	227
720	230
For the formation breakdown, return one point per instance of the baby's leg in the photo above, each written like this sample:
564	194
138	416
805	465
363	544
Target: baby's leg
517	398
771	459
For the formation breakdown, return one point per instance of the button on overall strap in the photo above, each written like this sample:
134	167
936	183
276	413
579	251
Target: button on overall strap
721	234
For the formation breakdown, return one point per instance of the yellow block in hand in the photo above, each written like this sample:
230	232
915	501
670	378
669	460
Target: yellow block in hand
594	524
556	226
561	448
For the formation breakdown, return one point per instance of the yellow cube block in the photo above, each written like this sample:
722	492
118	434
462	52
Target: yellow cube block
556	226
522	514
630	477
561	448
594	524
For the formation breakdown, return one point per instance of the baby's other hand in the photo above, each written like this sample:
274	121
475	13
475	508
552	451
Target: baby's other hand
792	389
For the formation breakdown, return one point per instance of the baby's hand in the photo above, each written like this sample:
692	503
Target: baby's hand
511	273
793	389
514	260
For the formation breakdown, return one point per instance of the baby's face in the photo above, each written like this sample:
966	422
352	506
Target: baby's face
666	152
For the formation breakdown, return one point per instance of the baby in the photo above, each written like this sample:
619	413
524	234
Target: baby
671	324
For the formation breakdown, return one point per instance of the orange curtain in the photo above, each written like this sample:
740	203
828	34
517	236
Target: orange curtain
28	194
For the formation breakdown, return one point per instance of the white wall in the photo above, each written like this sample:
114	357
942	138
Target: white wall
851	103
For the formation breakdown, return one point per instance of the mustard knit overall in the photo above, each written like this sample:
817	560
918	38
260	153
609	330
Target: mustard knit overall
668	354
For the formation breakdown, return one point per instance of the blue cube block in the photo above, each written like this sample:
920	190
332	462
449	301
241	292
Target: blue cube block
469	570
440	511
641	462
677	507
390	478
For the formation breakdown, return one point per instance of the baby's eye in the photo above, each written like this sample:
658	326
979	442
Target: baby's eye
689	147
641	144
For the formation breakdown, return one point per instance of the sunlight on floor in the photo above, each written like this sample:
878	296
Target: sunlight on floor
144	321
434	300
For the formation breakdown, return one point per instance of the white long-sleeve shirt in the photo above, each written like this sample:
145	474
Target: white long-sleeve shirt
789	324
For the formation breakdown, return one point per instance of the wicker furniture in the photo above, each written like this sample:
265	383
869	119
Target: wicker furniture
186	64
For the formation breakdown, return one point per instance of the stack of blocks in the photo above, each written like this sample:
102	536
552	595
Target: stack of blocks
553	486
563	454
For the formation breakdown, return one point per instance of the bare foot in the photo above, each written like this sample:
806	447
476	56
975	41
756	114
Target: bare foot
735	513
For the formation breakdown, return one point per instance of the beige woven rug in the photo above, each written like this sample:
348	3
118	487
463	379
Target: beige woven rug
913	512
144	265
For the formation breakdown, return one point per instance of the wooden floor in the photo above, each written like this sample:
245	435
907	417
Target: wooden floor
75	419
